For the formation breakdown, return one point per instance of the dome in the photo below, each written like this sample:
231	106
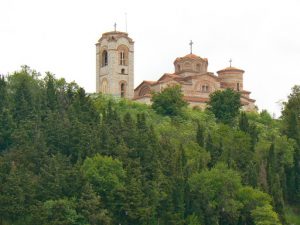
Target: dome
230	69
190	56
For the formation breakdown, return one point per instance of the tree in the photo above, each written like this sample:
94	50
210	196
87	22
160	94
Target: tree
51	95
243	122
90	206
251	199
3	93
216	191
6	120
264	215
61	211
17	195
225	105
106	176
291	127
169	102
200	135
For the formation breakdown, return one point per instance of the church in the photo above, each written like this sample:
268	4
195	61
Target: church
115	75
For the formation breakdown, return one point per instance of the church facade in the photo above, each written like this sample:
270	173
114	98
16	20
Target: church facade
115	75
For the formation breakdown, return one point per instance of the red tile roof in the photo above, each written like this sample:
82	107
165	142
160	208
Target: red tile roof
231	69
195	99
144	96
190	56
147	82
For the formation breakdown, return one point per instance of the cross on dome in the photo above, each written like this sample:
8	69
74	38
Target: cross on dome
230	61
115	25
191	44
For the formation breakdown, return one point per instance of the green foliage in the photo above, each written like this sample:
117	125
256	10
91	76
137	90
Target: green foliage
91	207
169	102
5	117
104	173
265	216
217	190
225	105
61	211
291	127
67	157
193	220
292	215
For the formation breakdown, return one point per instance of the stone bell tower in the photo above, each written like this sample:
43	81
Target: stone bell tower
115	64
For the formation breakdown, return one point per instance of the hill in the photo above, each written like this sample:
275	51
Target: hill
71	158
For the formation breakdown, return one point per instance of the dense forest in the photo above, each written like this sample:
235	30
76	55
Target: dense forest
68	157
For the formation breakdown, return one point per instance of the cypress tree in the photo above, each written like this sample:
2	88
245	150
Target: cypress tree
243	122
200	135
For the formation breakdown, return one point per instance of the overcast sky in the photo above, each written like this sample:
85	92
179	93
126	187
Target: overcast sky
261	36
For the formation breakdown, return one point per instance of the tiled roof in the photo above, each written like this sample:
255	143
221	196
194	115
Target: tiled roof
230	69
147	82
150	81
195	99
191	56
199	75
173	75
144	96
248	99
244	91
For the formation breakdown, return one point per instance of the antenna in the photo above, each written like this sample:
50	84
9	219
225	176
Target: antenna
126	22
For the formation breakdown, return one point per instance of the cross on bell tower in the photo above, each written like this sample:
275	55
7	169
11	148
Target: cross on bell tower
230	61
115	26
191	45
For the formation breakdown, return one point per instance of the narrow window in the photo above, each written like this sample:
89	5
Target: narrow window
198	67
178	68
122	90
238	86
206	88
122	58
104	58
123	71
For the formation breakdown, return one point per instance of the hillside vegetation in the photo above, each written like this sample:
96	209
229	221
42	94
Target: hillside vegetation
71	158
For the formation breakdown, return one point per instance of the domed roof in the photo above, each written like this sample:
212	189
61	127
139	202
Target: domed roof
230	68
190	56
114	35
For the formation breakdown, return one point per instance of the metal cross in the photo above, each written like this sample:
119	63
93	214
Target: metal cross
191	44
230	61
115	25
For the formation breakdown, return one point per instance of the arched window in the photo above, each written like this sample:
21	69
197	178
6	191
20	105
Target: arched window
238	86
104	58
123	71
178	68
123	55
104	86
123	90
205	88
144	90
122	58
187	66
198	67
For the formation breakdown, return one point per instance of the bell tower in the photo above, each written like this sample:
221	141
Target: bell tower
115	64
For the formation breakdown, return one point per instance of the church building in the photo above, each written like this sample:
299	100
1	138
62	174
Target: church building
115	75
